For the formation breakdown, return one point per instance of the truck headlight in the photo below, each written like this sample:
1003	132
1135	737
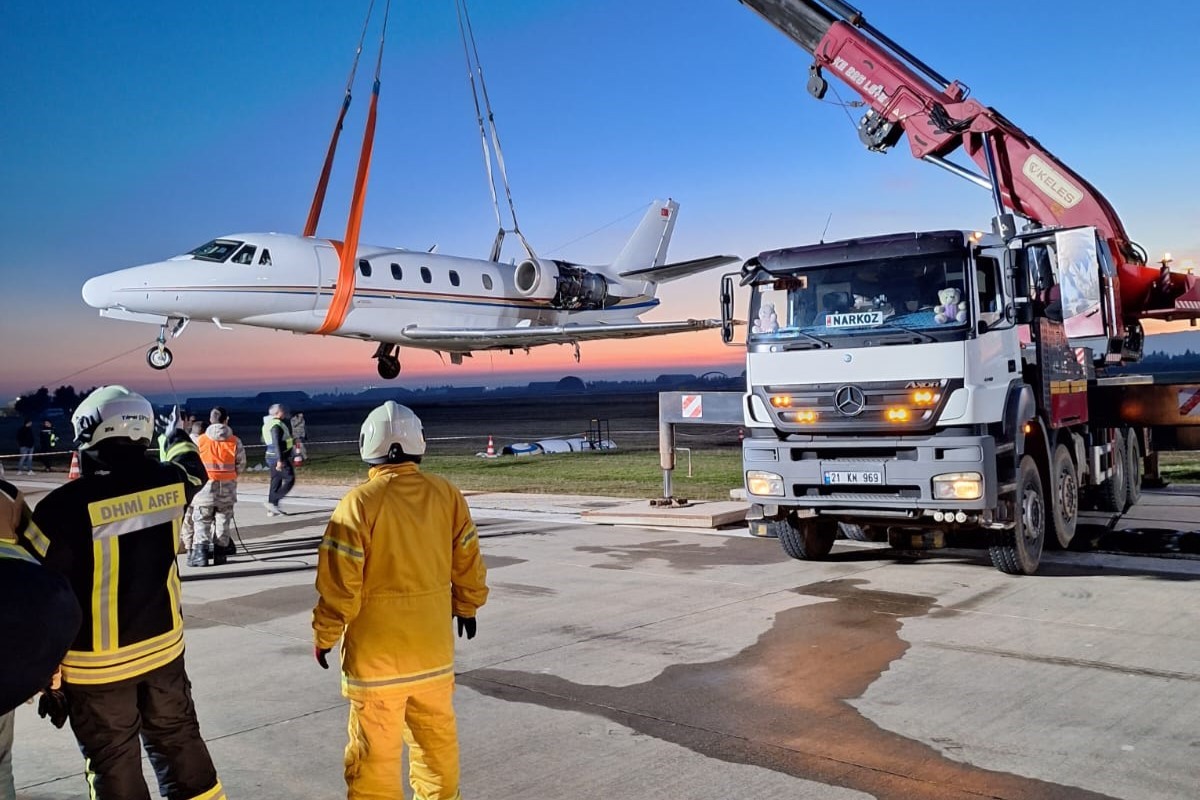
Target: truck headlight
765	484
958	486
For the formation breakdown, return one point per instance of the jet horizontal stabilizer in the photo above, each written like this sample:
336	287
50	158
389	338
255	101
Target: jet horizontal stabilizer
680	269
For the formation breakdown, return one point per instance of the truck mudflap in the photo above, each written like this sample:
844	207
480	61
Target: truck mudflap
879	475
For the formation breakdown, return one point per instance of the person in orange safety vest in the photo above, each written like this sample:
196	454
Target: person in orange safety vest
224	459
399	560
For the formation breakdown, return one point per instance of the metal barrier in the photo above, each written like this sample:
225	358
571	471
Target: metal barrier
690	408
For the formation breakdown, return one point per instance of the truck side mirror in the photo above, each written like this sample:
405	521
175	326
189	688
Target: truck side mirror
727	308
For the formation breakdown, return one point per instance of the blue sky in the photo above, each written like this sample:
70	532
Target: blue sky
136	131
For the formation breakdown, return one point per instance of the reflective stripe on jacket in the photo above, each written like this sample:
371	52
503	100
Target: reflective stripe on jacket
219	457
114	536
394	614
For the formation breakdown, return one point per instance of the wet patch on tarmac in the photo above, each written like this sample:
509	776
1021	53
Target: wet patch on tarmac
1141	541
691	557
251	609
782	703
499	562
523	590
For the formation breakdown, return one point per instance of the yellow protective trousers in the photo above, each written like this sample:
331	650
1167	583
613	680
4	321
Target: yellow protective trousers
381	725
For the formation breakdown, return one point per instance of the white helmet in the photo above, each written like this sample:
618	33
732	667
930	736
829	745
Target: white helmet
390	424
112	412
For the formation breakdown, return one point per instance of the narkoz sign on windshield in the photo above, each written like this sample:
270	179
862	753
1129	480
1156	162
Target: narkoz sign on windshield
854	319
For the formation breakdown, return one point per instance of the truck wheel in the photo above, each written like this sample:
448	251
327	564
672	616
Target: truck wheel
1018	551
1134	470
807	538
1111	495
855	532
1064	486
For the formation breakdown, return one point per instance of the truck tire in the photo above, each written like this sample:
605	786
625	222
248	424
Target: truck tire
854	532
1134	469
807	538
1018	551
1112	494
1064	489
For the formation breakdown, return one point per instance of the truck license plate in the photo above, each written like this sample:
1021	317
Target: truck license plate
863	478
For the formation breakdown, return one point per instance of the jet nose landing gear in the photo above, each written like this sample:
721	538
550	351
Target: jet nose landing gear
159	357
386	361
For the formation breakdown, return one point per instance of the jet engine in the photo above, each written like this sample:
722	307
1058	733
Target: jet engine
566	286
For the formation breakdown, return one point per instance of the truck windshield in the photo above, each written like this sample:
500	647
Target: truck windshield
922	298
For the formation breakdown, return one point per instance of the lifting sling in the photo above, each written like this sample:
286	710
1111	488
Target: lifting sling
318	202
343	293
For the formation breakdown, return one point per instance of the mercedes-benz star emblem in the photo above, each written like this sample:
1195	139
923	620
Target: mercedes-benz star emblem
849	401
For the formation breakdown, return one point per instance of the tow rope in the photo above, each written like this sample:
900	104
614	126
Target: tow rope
314	213
343	293
474	67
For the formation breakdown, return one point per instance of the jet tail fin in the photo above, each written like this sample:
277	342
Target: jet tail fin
648	245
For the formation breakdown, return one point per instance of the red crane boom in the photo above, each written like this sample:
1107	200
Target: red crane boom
905	96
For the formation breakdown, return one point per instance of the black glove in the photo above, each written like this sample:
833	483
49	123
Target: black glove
319	654
53	704
466	624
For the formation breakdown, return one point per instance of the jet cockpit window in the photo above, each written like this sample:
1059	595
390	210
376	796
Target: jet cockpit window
245	255
265	259
364	267
217	250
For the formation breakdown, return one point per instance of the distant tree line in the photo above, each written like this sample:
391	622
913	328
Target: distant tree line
35	404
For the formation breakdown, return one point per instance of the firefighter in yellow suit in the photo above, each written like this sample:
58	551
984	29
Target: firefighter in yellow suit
399	559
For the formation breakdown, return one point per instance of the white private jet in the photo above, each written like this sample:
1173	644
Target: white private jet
402	298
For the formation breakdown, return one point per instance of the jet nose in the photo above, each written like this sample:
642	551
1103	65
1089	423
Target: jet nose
97	292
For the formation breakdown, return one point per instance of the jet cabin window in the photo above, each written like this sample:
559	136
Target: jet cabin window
245	255
487	282
426	275
397	273
454	278
364	267
217	250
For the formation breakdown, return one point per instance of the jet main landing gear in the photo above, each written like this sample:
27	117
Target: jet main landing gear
386	361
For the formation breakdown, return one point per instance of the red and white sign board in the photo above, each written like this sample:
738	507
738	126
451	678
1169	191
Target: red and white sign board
693	406
1189	401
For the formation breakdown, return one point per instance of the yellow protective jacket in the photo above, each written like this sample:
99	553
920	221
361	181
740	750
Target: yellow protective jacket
399	558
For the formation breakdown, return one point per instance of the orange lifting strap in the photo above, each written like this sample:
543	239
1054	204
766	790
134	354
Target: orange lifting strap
343	294
314	212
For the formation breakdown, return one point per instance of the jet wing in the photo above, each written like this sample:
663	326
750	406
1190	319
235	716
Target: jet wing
466	339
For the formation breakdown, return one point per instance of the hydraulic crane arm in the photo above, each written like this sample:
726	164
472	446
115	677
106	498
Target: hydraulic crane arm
905	96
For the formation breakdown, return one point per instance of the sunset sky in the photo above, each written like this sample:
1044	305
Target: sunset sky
135	131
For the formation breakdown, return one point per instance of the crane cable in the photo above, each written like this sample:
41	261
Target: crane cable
343	293
475	67
314	212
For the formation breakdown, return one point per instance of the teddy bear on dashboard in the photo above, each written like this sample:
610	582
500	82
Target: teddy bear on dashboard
952	308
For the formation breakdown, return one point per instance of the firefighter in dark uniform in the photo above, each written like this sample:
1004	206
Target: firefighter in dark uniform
113	533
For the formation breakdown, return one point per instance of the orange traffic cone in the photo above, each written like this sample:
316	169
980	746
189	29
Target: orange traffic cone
297	457
75	472
491	449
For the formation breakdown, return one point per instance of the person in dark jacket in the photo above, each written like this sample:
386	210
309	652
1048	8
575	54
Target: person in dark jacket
49	443
277	436
25	443
113	533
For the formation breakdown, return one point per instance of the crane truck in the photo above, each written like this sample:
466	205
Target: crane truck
908	385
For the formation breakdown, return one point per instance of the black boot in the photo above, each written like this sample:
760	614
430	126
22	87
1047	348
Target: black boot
200	556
